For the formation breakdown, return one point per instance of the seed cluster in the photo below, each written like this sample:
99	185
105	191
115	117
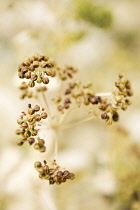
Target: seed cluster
39	69
79	94
122	101
36	69
66	73
28	127
54	174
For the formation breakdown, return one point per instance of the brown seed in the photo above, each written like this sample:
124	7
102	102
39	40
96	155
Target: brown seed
44	115
42	149
36	108
18	131
27	134
34	132
21	75
35	64
41	142
36	146
51	180
45	162
66	174
71	176
68	91
128	85
29	105
104	116
33	77
72	85
31	111
51	171
31	141
42	176
24	125
37	117
59	173
66	106
45	80
55	178
41	57
20	143
37	164
67	101
24	69
60	107
31	83
31	68
27	75
95	99
102	107
115	117
46	169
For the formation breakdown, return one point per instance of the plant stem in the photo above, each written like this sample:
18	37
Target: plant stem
55	133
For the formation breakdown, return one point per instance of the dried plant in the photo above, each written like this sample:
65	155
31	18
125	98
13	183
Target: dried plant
37	72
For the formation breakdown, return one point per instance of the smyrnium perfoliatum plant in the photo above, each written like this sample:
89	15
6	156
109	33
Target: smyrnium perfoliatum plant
36	73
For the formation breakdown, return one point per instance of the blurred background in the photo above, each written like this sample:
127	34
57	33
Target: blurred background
101	38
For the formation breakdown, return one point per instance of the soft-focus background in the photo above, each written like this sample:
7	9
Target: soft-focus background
101	38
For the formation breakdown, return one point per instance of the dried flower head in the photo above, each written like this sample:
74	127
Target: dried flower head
37	72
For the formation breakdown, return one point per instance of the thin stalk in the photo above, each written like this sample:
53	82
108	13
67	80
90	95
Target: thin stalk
79	122
55	133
